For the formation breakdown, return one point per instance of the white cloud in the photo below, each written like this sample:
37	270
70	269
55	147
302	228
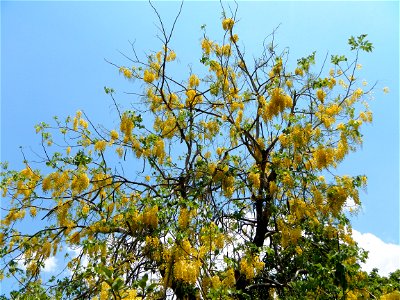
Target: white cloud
50	265
384	256
351	206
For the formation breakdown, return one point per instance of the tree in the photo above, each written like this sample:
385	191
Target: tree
384	287
219	187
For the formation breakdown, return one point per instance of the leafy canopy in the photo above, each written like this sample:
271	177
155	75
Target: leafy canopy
220	186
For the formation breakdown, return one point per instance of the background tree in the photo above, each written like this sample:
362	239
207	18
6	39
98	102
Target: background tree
214	186
384	287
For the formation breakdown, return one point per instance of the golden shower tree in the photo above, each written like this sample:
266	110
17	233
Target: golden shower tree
220	186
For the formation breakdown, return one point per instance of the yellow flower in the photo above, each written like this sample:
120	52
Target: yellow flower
85	209
321	95
171	56
120	151
150	217
358	93
193	81
100	145
299	72
254	179
131	295
323	157
226	50
148	76
229	280
278	102
234	38
126	126
114	134
215	281
83	123
193	98
127	73
227	24
299	250
386	90
104	291
80	182
184	218
32	211
206	46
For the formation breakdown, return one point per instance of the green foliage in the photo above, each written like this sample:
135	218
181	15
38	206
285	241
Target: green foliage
360	43
232	199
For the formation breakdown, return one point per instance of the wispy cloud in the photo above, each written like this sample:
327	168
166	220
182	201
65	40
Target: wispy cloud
384	256
50	265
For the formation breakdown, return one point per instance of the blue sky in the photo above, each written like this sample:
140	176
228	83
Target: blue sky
52	63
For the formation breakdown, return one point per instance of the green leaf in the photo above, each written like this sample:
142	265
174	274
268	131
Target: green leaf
336	59
143	281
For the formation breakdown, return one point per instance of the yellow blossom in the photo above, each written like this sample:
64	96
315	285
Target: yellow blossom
183	219
171	56
206	46
358	93
104	291
32	211
299	250
226	50
323	157
120	151
299	71
279	100
126	72
272	188
234	38
132	295
126	126
254	179
227	24
321	95
149	76
100	145
80	182
193	81
114	134
158	150
192	98
215	281
85	209
83	123
229	279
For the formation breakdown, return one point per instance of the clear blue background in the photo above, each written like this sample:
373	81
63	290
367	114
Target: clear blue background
52	63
